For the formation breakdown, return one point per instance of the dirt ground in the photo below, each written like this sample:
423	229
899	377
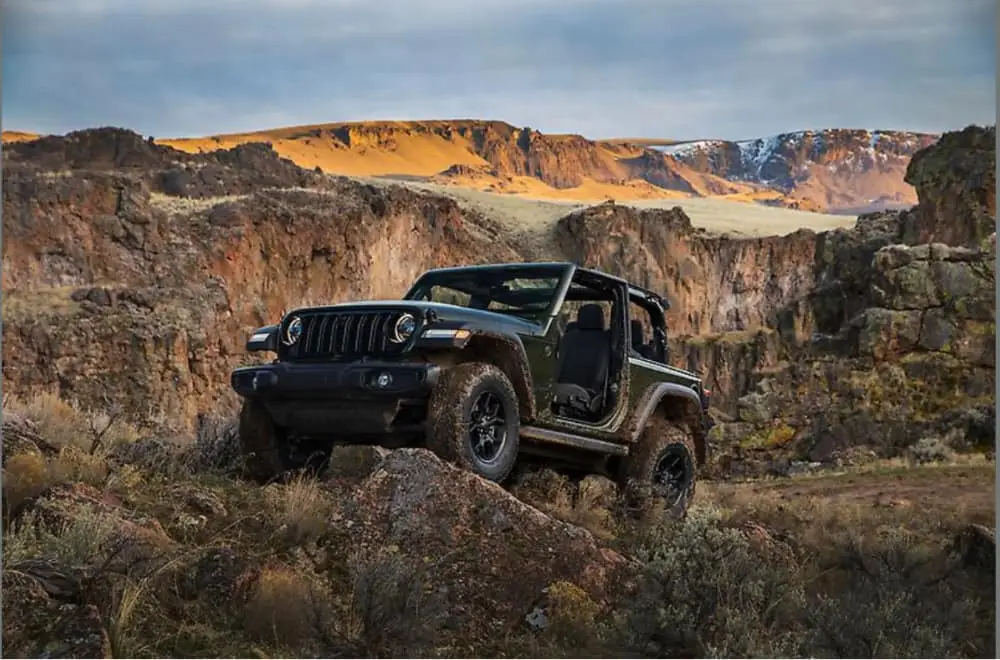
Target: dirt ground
939	496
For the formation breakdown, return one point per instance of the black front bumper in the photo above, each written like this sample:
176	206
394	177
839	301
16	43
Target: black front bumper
343	399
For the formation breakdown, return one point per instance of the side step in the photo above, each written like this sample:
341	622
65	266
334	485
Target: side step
573	440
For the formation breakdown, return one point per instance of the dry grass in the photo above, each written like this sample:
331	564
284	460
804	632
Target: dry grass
27	305
853	565
187	205
590	504
66	426
300	510
26	476
278	610
77	542
392	612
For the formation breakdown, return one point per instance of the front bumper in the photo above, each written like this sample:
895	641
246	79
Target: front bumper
350	381
341	399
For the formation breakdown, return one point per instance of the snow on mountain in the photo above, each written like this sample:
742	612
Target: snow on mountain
780	159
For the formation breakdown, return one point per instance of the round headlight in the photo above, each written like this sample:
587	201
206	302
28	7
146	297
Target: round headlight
293	331
405	326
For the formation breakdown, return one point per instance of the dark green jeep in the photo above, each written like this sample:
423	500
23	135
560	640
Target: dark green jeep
481	364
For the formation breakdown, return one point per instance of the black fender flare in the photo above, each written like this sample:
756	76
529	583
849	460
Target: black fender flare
512	359
690	403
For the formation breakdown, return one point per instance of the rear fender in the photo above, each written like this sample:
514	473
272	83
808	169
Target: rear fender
676	403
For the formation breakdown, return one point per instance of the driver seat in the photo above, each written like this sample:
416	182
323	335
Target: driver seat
584	359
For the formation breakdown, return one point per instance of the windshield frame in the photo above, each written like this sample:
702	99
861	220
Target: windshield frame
447	277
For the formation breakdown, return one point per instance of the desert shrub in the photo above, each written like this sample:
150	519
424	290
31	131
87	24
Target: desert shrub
931	450
24	476
64	425
572	617
392	611
856	584
216	448
77	542
300	510
58	422
895	595
705	591
590	503
282	608
72	464
28	475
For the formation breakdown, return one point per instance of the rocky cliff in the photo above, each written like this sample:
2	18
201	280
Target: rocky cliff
837	170
133	272
831	170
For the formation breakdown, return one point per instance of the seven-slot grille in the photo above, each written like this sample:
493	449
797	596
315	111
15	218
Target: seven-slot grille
345	335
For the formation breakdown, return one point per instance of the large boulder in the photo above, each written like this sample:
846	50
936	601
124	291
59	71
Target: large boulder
490	554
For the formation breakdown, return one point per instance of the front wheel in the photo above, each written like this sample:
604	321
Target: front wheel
474	420
662	468
264	446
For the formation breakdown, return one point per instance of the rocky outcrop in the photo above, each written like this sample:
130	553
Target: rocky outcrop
497	553
956	185
917	365
45	616
836	169
238	171
714	283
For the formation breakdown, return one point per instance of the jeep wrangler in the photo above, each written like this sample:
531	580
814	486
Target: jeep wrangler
481	364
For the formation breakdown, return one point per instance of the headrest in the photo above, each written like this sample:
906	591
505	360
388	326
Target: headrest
590	317
637	332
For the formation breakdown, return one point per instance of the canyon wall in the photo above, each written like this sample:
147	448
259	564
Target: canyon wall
133	273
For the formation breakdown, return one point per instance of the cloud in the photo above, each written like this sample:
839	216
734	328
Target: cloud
675	68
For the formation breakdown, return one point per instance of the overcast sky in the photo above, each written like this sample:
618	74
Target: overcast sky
603	68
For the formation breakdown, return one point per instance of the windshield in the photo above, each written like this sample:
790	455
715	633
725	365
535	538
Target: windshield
526	292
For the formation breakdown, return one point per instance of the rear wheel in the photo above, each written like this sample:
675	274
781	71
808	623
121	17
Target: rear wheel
662	469
474	420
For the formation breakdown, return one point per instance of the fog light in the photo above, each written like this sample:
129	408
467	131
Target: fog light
383	380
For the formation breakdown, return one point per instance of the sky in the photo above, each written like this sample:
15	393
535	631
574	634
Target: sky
682	69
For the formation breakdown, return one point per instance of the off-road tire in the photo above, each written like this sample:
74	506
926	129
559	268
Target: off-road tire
449	414
262	444
639	468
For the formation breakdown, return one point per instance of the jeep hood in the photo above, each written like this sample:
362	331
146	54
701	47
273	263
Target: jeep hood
442	312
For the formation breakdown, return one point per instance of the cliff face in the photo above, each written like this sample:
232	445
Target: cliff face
839	170
715	284
831	170
133	274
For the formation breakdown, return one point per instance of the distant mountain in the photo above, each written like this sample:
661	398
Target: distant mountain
841	170
835	170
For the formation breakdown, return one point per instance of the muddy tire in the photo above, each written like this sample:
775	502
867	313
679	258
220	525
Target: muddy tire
262	444
473	420
661	469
